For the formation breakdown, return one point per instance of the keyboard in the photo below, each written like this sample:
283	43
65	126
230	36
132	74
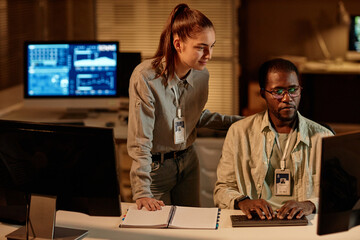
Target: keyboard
256	221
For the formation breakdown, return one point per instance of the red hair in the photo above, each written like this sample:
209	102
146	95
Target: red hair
185	23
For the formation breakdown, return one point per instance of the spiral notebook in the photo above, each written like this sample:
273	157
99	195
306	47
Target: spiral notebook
172	217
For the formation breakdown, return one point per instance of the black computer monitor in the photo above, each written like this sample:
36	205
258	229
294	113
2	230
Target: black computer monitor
77	164
339	202
127	62
71	74
353	53
354	33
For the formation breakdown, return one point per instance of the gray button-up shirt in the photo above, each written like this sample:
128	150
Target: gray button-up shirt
245	158
152	109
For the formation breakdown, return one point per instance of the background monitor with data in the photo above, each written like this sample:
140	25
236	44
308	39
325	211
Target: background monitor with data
353	53
67	74
354	36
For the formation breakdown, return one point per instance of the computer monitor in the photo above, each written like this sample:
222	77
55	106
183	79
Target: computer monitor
77	164
69	74
339	201
354	39
127	63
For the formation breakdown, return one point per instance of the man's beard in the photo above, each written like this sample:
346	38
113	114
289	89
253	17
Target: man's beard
288	118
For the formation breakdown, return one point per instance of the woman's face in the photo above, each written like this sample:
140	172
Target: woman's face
194	52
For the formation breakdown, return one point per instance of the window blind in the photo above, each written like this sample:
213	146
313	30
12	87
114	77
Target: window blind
18	22
137	25
3	44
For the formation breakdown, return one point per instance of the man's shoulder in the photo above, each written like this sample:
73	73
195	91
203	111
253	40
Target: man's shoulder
315	128
248	123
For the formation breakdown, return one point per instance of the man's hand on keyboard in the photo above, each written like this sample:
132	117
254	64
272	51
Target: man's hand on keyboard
261	206
296	209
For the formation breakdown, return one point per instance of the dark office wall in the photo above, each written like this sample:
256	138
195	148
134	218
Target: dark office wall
285	27
23	20
279	27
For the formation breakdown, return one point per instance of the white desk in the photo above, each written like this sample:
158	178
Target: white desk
11	102
107	228
95	119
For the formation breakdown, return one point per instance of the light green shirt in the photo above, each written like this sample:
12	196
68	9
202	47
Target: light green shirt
245	158
152	109
268	192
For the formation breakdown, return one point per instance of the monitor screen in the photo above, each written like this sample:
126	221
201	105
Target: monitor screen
75	163
339	202
354	36
71	74
353	53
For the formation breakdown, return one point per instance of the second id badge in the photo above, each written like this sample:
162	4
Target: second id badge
282	182
179	130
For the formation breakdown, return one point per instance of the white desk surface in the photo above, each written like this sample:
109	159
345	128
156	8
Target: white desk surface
17	112
108	228
12	108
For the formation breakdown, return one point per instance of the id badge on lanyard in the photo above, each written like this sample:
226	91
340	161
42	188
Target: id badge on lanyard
179	124
282	181
179	130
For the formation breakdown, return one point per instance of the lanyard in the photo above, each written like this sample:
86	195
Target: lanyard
177	103
282	161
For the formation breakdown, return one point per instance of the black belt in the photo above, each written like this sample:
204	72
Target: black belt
173	154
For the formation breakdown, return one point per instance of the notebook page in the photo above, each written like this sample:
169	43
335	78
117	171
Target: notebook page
145	218
194	217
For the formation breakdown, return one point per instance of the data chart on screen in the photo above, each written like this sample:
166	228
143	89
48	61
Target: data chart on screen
73	69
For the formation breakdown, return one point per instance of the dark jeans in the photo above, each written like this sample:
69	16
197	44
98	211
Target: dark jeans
177	181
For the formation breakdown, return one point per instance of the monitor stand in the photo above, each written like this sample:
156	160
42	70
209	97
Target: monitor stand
41	222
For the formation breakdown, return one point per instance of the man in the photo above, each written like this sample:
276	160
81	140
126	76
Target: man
271	160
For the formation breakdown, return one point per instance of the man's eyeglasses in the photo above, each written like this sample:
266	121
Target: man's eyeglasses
279	93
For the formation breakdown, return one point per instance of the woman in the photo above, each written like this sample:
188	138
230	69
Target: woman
167	97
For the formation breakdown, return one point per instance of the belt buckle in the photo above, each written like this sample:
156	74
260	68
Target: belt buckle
155	166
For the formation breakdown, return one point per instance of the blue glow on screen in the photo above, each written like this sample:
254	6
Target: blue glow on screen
88	69
357	33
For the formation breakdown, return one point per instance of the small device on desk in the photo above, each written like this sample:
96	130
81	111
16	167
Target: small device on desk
256	221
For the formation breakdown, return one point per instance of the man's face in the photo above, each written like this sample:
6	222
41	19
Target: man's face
284	109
